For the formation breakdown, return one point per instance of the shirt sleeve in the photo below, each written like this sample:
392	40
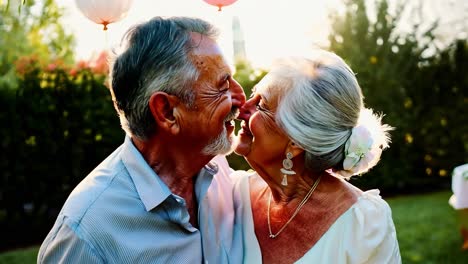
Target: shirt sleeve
244	219
374	232
63	245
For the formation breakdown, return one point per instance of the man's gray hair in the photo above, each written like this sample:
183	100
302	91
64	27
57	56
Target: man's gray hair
320	105
155	58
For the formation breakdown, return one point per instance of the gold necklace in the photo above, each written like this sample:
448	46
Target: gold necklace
304	201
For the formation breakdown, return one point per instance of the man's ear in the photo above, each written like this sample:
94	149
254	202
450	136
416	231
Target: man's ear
294	149
162	107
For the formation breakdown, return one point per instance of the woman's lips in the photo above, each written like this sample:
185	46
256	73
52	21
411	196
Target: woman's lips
245	129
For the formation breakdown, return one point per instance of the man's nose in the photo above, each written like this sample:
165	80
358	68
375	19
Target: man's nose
237	94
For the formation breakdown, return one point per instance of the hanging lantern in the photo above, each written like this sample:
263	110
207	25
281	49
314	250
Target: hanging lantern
104	12
220	3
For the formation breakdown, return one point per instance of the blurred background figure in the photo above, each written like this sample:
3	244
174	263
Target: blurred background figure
459	200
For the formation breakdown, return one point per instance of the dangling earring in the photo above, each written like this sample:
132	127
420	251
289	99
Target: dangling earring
286	170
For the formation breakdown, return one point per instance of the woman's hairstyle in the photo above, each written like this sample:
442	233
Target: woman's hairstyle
322	111
155	58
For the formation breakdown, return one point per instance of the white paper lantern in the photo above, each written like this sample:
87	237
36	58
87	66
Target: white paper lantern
104	12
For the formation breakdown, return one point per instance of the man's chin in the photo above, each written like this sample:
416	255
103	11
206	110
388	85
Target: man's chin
220	146
228	150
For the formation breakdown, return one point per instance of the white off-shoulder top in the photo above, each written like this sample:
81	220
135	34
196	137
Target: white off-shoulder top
365	233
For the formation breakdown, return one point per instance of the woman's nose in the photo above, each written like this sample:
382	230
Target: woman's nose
247	110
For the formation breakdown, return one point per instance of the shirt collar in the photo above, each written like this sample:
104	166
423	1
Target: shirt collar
151	189
204	179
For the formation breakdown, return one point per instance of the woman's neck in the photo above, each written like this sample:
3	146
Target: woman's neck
298	187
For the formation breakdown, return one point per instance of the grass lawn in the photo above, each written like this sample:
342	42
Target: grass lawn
426	226
427	229
21	256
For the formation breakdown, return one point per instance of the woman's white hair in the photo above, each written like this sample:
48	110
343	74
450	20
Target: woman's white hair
321	104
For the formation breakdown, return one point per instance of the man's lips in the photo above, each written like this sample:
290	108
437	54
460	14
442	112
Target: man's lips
229	125
229	120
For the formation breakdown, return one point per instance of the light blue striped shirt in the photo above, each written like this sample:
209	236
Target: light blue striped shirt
122	212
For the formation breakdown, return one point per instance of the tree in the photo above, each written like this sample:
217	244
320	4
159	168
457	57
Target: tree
404	75
33	28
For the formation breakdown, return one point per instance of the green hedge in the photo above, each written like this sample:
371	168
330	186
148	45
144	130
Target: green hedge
58	126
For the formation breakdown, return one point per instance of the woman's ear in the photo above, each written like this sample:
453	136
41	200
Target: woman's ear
294	149
162	107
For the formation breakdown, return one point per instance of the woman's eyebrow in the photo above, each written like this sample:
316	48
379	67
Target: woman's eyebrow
254	90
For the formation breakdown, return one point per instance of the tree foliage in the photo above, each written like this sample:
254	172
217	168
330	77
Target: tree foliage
34	27
420	89
61	124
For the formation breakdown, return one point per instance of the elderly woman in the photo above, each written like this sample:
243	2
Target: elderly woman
305	129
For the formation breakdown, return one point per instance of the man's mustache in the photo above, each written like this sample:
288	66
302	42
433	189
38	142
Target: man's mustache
232	115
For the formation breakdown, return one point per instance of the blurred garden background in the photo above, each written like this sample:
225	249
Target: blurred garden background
59	122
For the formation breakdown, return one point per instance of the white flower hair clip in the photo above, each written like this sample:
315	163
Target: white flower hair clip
358	153
364	147
357	146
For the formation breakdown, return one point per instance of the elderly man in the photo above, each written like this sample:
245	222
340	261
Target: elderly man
155	200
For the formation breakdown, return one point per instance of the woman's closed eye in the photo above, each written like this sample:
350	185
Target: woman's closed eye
257	99
262	107
259	107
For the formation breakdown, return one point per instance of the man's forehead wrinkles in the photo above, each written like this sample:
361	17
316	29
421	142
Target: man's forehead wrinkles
210	62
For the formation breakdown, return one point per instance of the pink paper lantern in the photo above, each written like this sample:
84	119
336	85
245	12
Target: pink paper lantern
104	12
220	3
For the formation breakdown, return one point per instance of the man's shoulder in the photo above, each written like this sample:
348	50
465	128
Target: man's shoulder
97	190
102	205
